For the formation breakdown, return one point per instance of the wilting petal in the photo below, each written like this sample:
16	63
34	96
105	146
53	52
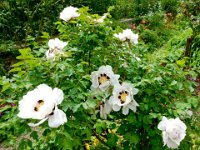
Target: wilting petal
58	95
102	113
105	110
57	119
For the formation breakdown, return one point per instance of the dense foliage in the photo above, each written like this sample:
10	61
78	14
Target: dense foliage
160	75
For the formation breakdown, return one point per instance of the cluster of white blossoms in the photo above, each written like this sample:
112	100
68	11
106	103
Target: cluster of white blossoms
55	47
69	13
173	131
41	104
122	95
127	35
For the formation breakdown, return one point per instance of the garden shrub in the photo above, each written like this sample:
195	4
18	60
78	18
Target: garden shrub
150	37
163	88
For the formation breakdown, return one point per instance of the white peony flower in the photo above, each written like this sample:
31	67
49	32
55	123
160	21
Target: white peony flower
56	44
55	47
123	97
173	131
105	109
41	103
68	13
104	78
127	35
101	19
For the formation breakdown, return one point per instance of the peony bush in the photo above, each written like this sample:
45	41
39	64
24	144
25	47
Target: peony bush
92	87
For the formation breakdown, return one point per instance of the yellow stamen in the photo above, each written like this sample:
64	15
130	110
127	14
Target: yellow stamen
122	96
38	105
102	80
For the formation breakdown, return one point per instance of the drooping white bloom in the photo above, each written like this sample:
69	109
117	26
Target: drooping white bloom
127	35
123	97
55	47
101	19
103	78
41	103
68	13
173	131
105	109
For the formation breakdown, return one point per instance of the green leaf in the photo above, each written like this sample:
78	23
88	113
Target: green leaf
132	138
112	140
180	63
34	135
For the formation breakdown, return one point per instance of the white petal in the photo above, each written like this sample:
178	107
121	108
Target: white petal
115	79
94	79
116	107
37	124
162	125
106	68
49	55
69	13
180	123
182	136
57	119
125	110
51	44
104	86
171	144
132	106
135	91
58	95
114	103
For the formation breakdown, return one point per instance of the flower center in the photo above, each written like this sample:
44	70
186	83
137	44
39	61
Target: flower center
38	105
103	78
175	134
55	50
122	96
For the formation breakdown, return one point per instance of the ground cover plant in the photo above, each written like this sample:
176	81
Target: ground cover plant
94	86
